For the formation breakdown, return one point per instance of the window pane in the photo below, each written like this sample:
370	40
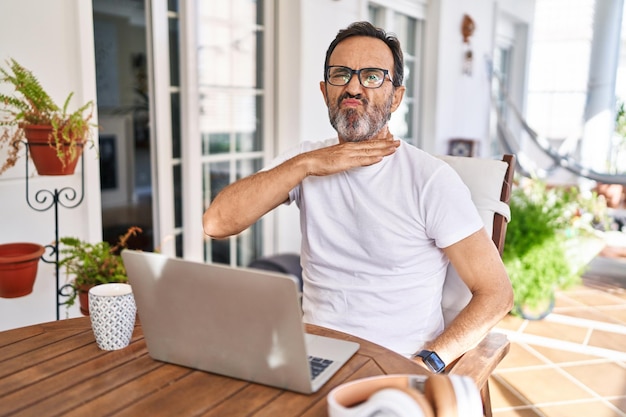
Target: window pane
178	196
178	207
229	56
214	143
236	11
231	51
247	167
405	31
401	123
179	246
176	138
248	119
259	11
376	15
225	114
409	78
230	44
249	242
219	251
215	122
174	52
215	176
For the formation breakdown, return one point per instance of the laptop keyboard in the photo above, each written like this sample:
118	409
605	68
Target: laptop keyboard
318	365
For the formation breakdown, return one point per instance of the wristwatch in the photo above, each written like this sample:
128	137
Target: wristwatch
432	361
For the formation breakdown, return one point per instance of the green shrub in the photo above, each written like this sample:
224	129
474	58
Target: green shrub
535	251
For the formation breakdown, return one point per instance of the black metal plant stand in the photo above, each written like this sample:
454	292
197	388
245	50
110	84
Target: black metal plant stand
43	201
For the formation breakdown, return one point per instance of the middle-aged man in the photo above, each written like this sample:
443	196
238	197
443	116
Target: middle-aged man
380	219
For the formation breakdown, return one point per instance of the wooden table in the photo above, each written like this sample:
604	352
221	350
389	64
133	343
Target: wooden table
56	368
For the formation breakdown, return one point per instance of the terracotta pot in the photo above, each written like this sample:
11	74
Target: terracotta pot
18	268
83	299
45	156
539	312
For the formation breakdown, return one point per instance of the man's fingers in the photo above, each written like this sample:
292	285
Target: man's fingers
349	155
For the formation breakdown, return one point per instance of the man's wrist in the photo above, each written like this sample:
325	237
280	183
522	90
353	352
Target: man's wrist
431	360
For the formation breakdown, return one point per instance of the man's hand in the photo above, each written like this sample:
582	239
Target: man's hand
343	156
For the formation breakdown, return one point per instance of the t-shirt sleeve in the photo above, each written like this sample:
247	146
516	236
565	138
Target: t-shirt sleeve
450	214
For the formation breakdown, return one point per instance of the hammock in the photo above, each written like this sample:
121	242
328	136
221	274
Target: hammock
511	145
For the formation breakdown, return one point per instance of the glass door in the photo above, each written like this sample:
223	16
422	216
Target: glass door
233	102
209	73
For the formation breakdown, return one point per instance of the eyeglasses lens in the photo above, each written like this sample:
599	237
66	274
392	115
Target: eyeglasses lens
369	77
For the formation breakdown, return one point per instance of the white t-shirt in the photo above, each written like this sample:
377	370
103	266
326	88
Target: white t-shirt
370	253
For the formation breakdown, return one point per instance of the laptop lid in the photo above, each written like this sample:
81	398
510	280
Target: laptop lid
239	322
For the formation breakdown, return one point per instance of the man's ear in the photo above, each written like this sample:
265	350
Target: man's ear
398	94
324	91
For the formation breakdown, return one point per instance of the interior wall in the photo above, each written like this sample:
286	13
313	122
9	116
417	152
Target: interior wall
49	39
464	100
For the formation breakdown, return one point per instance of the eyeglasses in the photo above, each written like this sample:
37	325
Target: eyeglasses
368	77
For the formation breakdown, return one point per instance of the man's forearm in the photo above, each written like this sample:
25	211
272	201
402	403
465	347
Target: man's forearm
242	203
470	326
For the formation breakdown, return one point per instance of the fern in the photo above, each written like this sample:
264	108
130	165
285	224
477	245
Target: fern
31	105
93	263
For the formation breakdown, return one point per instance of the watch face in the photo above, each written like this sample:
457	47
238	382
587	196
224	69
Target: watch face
434	362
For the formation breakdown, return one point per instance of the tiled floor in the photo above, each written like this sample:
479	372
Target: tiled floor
572	363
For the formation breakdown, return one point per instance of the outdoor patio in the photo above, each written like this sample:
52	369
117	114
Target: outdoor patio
572	363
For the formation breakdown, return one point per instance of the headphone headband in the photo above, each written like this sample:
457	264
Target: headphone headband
347	395
406	395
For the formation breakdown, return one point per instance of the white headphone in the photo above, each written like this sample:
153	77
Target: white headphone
406	396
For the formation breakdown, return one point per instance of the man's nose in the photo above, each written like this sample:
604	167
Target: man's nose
354	87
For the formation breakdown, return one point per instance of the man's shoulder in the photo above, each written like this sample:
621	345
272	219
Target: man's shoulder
422	160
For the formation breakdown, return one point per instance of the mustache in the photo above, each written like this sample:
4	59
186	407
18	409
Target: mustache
347	95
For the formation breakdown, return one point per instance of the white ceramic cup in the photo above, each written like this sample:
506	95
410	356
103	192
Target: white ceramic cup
112	310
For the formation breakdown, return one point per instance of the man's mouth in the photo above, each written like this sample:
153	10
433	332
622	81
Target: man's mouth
351	102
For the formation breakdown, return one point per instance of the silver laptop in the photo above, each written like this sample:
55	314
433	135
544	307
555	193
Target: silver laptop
239	322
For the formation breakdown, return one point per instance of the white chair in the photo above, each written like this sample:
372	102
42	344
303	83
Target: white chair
490	183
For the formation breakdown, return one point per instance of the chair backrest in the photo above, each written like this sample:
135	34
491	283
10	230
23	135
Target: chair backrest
489	182
287	263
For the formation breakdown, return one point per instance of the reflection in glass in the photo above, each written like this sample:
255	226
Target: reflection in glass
230	43
224	116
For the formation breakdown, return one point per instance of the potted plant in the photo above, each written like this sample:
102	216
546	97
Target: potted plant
549	242
55	136
92	264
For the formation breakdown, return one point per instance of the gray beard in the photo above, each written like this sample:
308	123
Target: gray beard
353	128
